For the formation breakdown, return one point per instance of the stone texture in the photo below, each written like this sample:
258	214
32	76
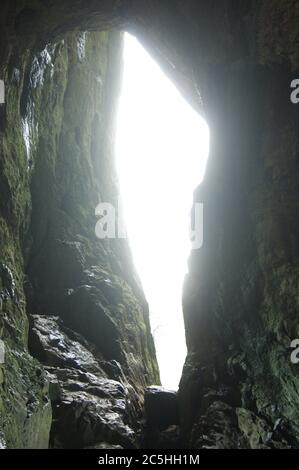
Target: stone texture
161	407
161	428
89	409
167	439
57	164
234	61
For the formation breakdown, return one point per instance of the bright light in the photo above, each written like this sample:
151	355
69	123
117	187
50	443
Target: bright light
162	148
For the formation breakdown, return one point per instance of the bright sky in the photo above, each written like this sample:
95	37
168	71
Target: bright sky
162	148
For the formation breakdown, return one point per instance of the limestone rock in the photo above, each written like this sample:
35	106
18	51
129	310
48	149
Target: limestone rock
88	407
55	345
56	159
232	60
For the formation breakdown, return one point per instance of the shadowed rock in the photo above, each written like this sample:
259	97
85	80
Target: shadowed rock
88	406
161	407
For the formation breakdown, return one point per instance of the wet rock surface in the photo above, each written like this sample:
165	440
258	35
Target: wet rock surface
156	438
89	408
225	427
50	343
56	165
236	61
161	426
88	412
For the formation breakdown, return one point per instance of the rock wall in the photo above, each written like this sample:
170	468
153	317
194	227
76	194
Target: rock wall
234	61
88	317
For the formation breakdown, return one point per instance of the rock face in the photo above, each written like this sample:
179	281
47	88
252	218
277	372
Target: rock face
234	61
57	164
89	409
161	407
161	427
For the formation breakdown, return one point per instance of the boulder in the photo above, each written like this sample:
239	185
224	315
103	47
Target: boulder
161	407
89	407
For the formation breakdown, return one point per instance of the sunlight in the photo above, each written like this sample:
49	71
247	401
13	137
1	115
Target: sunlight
162	148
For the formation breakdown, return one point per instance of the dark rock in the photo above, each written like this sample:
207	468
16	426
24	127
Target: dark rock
85	313
8	285
161	407
55	164
88	412
104	446
218	429
234	62
88	407
50	343
169	438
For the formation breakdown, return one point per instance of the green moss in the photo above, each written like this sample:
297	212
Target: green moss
57	164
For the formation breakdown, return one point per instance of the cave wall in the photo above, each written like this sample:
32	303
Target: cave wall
234	61
76	296
239	387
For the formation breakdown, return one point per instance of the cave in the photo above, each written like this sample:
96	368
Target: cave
78	365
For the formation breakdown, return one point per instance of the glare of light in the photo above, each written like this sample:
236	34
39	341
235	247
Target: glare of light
162	148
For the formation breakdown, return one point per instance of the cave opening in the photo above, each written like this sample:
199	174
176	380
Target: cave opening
162	148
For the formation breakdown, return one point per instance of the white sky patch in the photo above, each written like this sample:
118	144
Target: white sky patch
162	147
